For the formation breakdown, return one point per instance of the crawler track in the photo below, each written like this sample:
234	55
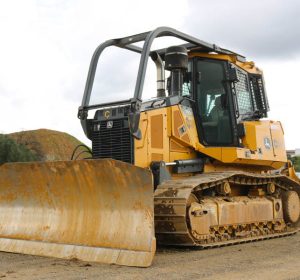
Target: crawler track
172	200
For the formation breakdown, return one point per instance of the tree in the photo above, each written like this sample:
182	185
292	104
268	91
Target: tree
11	151
296	163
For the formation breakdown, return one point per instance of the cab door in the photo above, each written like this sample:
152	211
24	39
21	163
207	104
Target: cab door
214	104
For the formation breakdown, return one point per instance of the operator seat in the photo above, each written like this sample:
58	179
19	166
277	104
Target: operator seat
221	128
217	110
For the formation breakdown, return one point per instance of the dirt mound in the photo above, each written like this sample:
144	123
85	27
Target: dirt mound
48	144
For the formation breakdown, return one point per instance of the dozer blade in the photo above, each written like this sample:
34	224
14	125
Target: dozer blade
92	210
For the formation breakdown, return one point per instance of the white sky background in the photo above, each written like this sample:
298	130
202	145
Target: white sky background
46	46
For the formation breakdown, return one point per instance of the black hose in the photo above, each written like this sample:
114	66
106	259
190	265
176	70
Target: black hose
82	152
88	150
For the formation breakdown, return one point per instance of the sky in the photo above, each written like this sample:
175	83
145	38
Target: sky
46	47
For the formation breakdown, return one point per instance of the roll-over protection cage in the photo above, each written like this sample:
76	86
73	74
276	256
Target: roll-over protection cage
145	51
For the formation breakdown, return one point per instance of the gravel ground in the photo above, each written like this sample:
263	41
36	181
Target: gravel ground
270	259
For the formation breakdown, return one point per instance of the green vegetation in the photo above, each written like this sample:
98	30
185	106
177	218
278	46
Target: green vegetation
296	163
11	151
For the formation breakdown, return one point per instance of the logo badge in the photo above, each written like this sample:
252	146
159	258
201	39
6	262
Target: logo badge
109	124
107	114
267	143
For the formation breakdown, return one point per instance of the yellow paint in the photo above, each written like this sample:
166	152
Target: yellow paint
170	134
154	144
265	140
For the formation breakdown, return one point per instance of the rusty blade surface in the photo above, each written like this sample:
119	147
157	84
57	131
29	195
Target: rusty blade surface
92	210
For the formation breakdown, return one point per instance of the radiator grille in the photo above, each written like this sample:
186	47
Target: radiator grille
115	142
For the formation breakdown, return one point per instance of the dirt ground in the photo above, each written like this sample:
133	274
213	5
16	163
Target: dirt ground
270	259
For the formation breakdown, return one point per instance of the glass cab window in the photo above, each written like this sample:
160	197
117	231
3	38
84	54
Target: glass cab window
186	87
212	103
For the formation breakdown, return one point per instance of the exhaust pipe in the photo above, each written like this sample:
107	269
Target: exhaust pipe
160	74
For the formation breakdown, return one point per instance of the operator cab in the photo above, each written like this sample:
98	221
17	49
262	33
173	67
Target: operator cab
222	95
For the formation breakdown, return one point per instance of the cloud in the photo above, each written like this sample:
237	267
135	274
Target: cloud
46	47
259	28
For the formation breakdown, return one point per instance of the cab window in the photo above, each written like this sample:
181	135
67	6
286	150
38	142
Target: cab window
212	103
187	87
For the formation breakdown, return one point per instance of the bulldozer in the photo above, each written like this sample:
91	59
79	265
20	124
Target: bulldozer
199	165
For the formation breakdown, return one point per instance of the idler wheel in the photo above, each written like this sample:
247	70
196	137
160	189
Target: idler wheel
291	206
224	188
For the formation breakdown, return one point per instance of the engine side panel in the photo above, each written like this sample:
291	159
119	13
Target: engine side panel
170	133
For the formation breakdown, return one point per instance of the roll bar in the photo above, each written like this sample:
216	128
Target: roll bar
127	43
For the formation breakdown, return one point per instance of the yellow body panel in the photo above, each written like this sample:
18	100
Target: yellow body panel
265	140
170	134
154	145
162	139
